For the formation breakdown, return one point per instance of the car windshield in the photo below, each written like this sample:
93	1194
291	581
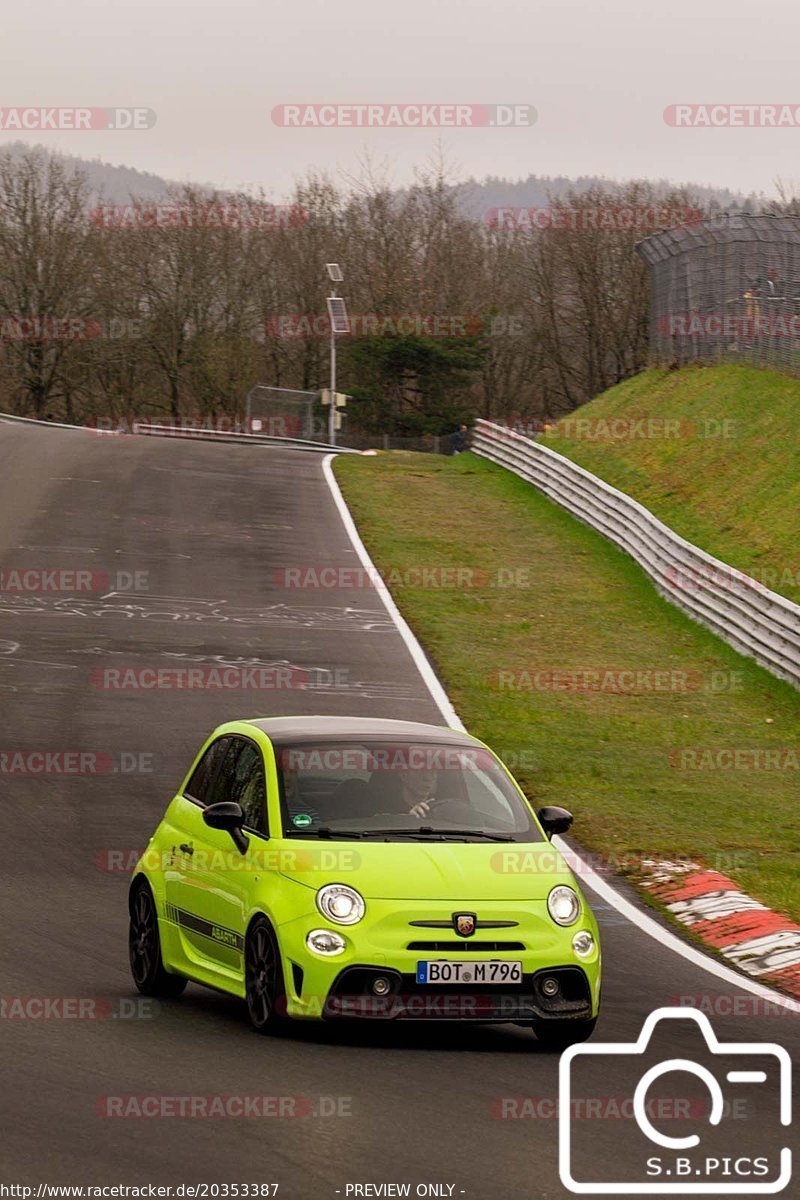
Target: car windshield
394	790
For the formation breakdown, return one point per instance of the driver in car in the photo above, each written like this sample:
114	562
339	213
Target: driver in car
417	791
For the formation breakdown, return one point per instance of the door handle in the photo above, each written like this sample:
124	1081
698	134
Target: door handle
186	848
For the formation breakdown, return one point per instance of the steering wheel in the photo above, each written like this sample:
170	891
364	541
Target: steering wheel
437	802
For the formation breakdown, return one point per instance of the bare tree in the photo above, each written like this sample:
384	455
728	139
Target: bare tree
46	266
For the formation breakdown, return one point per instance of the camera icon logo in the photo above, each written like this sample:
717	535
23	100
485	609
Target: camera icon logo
725	1137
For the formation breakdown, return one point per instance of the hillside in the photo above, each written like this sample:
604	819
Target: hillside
477	196
523	611
117	184
712	451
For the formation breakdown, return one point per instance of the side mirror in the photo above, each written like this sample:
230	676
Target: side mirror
228	815
551	818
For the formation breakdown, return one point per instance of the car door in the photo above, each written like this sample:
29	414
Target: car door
218	878
185	829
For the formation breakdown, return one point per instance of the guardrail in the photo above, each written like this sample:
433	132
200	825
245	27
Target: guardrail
145	429
754	620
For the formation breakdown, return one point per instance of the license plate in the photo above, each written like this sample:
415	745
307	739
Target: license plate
440	970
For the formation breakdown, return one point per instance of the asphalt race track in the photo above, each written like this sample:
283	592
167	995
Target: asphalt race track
211	527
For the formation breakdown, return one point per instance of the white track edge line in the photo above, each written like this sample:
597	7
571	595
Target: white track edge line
439	695
587	874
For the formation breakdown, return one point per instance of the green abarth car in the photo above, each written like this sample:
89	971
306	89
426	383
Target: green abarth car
327	867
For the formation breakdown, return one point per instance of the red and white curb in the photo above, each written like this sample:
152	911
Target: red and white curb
749	935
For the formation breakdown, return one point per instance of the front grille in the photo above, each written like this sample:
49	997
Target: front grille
478	924
465	946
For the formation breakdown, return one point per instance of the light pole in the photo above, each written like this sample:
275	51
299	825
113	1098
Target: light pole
340	323
332	409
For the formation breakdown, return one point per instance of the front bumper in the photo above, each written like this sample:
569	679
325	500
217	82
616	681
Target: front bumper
352	996
389	943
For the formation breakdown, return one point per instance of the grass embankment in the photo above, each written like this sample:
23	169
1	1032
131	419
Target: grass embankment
614	752
719	462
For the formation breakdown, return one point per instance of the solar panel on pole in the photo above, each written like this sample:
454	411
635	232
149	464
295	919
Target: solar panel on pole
340	323
337	311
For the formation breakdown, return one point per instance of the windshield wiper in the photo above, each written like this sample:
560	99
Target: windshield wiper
370	833
481	833
324	831
426	831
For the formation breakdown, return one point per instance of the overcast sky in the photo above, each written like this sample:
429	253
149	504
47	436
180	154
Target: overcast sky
599	75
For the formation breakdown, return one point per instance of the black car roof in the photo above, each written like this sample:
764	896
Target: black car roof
282	730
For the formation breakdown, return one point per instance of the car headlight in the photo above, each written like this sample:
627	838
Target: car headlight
340	903
563	905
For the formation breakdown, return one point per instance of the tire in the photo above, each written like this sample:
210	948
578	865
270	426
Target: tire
144	948
557	1035
265	993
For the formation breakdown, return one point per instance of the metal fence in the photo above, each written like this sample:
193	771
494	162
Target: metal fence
287	413
726	289
754	620
284	412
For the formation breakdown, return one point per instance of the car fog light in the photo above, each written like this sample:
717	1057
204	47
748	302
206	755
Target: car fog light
583	944
381	986
551	987
325	941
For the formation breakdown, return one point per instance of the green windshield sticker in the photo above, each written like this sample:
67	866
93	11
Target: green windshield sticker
302	820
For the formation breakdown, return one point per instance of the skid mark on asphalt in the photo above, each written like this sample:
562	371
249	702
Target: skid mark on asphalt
9	662
197	611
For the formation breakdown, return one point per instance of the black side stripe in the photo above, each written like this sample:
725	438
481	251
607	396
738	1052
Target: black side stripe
209	929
